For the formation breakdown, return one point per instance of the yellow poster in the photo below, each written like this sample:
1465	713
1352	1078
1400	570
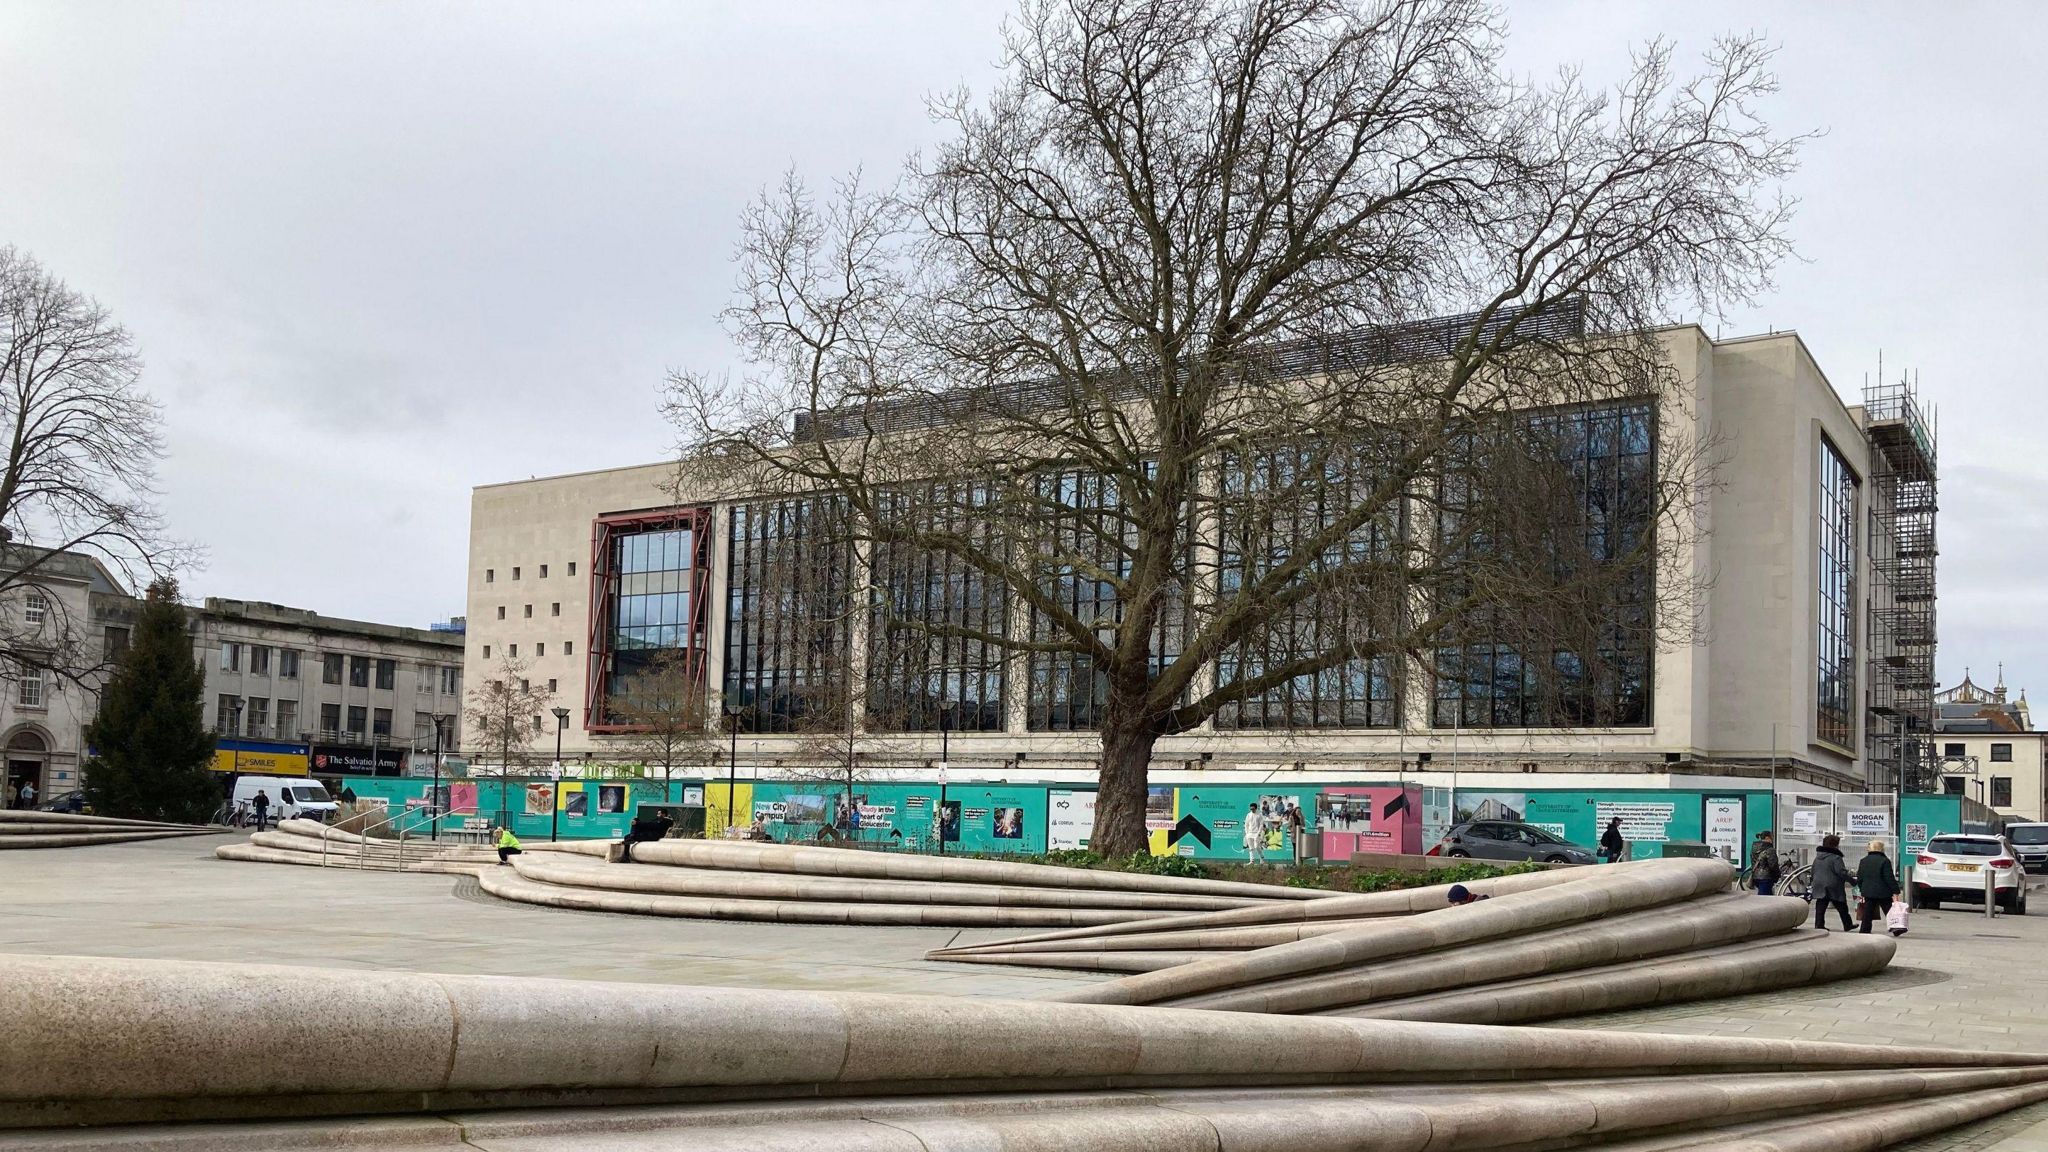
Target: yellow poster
254	763
716	818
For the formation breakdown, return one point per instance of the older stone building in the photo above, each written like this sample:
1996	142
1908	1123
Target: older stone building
65	612
294	692
1990	751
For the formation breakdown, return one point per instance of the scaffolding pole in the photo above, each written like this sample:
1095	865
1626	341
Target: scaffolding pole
1899	747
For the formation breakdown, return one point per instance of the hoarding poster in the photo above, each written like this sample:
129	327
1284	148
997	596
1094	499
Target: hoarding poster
540	799
1069	820
462	796
575	800
1381	819
1723	824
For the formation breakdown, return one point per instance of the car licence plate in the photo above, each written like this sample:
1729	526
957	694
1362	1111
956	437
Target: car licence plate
1963	867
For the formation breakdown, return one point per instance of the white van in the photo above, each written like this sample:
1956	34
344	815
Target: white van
2030	840
291	797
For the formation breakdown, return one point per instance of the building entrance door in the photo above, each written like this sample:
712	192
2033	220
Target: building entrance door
20	773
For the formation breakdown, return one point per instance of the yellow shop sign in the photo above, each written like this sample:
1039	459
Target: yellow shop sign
265	762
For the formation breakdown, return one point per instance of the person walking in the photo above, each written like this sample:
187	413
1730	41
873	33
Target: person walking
1297	823
28	794
262	806
1830	882
1879	882
508	847
1612	842
1764	868
1254	835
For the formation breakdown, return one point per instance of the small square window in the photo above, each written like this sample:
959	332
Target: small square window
540	650
512	650
555	609
543	571
487	651
515	573
490	575
2001	753
525	686
551	685
501	611
529	611
1953	751
568	647
572	567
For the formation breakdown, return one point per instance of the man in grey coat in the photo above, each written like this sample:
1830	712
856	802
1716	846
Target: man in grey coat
1830	883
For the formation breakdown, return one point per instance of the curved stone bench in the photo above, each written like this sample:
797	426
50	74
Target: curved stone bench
26	828
99	1042
675	881
509	884
1788	961
1594	894
751	857
82	821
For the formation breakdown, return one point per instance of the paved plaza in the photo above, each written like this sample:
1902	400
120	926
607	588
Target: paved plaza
1959	981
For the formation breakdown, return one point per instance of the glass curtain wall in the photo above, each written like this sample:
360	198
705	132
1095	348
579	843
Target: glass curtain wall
654	610
787	602
1269	504
1589	663
928	665
1086	546
1835	674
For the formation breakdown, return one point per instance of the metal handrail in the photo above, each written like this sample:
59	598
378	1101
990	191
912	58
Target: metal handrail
363	837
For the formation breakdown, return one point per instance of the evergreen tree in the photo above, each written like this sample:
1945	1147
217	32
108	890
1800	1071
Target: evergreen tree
150	741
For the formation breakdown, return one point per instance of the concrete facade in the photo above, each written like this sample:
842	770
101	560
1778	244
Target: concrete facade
278	663
1735	704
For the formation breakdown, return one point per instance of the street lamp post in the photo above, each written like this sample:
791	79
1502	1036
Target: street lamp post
945	762
732	776
555	816
434	800
236	735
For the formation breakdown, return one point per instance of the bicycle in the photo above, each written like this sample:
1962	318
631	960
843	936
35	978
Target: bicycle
1794	879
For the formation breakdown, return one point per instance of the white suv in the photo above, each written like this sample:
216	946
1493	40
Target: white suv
1953	867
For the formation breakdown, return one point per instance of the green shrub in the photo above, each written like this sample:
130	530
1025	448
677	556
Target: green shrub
1070	858
1145	862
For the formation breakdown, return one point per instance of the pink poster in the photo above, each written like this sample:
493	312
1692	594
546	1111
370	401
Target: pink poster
462	796
1384	819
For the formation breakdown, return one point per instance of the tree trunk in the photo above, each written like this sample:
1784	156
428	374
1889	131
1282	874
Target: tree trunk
1120	795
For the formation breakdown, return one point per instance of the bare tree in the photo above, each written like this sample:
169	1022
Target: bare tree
1157	310
671	720
506	714
835	757
82	441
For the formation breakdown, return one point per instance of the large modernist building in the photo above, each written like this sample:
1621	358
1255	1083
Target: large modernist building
1812	659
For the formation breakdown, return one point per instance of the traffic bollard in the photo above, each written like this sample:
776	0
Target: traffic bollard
1990	892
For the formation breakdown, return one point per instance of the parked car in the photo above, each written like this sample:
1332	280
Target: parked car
1953	867
2031	841
1509	840
72	801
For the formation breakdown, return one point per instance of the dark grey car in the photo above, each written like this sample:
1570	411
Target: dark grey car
1508	840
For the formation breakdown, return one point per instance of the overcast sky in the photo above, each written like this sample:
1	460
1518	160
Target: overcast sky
375	254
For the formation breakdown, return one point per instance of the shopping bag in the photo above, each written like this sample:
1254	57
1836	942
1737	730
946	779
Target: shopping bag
1895	920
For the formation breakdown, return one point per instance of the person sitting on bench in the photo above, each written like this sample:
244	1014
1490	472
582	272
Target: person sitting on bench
645	830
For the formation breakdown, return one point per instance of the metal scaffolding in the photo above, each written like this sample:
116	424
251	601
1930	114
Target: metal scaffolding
1900	749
